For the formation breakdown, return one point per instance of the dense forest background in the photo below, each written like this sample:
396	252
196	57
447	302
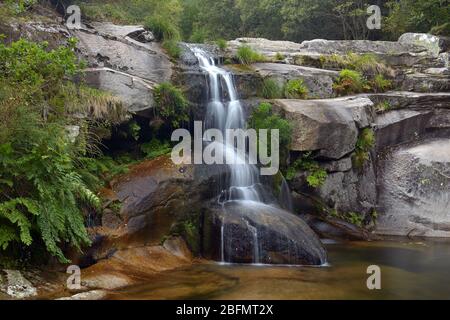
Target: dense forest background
295	20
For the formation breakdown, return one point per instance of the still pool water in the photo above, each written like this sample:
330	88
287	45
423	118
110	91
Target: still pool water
409	270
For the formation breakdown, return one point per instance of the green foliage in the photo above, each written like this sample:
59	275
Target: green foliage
222	44
383	106
43	192
364	144
279	57
172	48
270	89
247	55
19	6
416	16
155	148
380	84
162	28
264	118
367	64
316	176
441	30
295	89
349	82
171	104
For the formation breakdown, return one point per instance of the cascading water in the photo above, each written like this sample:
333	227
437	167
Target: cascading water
244	192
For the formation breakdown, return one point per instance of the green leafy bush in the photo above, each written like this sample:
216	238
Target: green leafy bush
380	84
270	89
295	89
43	194
162	28
316	175
171	104
222	44
155	148
263	117
247	55
349	82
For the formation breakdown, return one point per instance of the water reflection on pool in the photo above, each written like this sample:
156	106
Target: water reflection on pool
409	270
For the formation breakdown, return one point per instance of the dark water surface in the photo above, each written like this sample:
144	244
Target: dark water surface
409	270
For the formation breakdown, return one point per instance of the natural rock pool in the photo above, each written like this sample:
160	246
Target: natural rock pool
410	269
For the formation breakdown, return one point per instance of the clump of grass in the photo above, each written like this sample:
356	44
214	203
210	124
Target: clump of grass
162	28
367	64
279	56
270	89
380	84
222	44
247	55
172	48
383	106
295	89
366	141
349	82
100	105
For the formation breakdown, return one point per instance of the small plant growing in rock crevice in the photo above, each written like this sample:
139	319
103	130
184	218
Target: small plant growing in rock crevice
295	89
380	83
383	106
366	141
316	175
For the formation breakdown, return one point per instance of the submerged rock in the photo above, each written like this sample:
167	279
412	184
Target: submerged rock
17	286
414	183
253	232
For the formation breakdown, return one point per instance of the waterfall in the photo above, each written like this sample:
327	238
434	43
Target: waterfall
244	199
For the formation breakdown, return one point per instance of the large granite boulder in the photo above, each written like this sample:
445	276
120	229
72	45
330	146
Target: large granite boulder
253	232
318	81
329	126
399	53
414	186
125	61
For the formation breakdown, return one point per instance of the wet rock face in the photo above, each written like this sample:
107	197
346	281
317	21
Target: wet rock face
414	185
257	233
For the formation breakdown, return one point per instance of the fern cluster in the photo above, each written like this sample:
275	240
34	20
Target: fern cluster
43	193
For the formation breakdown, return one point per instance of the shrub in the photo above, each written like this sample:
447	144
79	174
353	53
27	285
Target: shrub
162	28
295	89
171	104
247	55
316	176
155	148
43	193
270	89
349	82
264	118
